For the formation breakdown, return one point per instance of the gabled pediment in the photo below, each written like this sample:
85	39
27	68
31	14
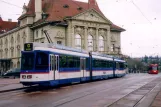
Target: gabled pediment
92	15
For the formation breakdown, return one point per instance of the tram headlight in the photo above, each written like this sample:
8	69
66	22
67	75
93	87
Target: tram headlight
29	76
23	76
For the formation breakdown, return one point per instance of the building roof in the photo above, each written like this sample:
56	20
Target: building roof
58	10
116	28
6	26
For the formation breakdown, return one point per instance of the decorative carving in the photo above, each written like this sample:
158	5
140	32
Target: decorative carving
18	46
79	30
91	16
24	9
6	49
12	48
102	32
91	31
59	35
113	38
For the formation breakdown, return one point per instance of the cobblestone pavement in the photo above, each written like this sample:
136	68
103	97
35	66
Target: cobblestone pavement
157	101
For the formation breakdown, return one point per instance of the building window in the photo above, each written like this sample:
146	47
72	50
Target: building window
6	42
42	33
78	41
101	44
6	53
12	41
24	38
37	33
11	65
12	53
0	53
90	43
59	42
113	48
18	64
18	39
1	42
18	52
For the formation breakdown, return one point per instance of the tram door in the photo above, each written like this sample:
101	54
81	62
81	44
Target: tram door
116	69
54	66
83	67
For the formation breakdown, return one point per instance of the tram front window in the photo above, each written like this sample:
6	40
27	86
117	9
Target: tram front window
27	62
42	61
154	68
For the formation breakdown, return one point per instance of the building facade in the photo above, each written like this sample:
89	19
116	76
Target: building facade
67	22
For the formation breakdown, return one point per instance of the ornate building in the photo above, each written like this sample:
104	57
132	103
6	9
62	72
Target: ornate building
72	23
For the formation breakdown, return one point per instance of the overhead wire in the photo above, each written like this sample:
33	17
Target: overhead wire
10	4
140	11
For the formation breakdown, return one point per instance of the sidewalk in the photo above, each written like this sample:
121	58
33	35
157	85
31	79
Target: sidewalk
7	84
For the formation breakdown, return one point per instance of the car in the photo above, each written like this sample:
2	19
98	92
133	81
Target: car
12	73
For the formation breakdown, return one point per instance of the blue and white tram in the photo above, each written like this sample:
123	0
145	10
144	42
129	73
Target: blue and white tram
51	65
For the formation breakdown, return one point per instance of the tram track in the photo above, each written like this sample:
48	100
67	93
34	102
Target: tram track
29	90
142	91
71	98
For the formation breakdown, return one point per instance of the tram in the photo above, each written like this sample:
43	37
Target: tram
51	65
153	69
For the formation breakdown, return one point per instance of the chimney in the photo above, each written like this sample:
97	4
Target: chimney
38	9
10	20
92	3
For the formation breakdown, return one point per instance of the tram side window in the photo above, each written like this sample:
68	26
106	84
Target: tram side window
41	61
122	66
87	63
102	64
69	61
110	64
63	61
117	65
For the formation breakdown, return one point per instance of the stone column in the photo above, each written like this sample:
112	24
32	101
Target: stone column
109	41
69	34
105	41
73	37
86	38
96	44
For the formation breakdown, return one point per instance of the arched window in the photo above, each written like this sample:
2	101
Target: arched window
6	42
18	64
90	43
12	41
0	53
24	38
0	42
6	53
11	65
78	41
101	44
18	38
12	53
18	52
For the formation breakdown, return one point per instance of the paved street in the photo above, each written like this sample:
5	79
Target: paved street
129	91
8	84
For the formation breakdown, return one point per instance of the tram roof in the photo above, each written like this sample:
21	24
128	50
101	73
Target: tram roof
56	46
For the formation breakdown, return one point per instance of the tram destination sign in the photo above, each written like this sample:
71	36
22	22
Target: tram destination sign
28	47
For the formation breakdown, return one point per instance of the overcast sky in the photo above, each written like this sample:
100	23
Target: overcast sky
140	18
